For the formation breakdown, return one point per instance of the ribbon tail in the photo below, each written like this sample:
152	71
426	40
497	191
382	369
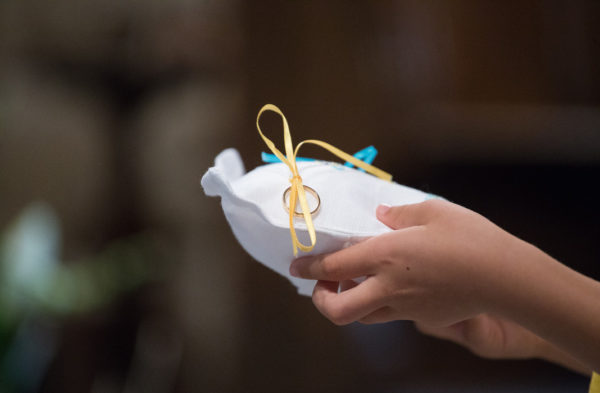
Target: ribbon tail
297	194
307	218
347	157
292	209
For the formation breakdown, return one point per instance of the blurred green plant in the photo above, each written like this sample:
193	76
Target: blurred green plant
34	284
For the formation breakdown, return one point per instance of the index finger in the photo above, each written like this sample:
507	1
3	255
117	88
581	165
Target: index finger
352	262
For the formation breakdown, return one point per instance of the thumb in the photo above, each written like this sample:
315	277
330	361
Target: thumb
398	217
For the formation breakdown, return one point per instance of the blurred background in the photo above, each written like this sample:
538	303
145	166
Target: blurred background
117	274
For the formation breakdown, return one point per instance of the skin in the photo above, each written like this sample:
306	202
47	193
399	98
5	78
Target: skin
462	278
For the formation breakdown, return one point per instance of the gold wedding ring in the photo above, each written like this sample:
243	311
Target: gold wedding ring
310	191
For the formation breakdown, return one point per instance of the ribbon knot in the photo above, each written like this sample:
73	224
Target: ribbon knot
297	193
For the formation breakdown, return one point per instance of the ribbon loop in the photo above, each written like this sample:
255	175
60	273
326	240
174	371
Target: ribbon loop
297	193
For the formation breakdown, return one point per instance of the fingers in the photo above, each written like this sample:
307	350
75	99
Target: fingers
362	258
398	217
350	305
352	262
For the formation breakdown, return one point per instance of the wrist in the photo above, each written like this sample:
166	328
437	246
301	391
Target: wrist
555	303
510	276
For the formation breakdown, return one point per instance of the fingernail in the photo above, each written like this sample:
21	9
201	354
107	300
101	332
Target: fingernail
383	209
294	270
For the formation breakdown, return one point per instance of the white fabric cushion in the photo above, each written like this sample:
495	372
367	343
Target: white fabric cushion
253	205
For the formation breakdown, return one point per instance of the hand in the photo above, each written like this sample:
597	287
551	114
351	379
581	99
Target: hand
460	277
437	267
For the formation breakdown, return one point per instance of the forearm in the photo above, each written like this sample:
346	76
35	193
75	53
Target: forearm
554	302
549	352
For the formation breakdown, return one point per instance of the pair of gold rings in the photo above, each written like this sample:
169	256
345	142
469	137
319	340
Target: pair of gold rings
312	192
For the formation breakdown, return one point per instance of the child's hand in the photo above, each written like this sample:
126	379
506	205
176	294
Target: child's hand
437	267
449	269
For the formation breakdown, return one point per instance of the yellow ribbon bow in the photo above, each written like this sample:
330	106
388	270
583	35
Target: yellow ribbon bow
297	189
